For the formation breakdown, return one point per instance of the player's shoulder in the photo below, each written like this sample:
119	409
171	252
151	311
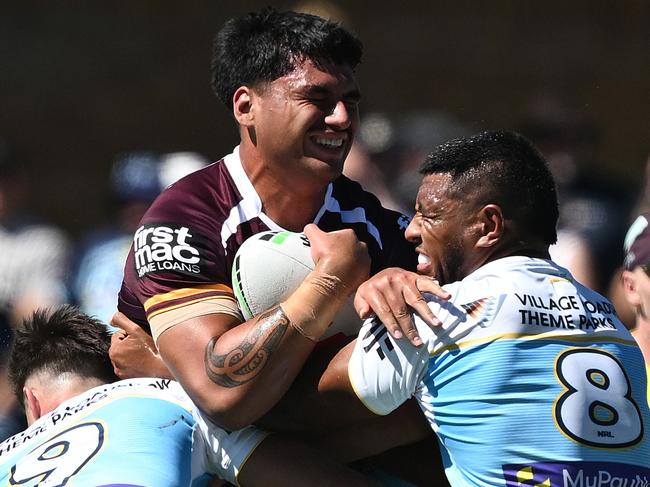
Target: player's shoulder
345	184
200	180
474	303
351	196
350	193
199	203
137	389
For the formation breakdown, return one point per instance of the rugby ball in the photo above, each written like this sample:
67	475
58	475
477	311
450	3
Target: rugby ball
269	267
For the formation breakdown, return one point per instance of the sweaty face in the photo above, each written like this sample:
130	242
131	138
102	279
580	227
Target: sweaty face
307	120
441	230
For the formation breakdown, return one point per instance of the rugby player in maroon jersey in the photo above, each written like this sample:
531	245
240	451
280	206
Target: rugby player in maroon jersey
288	79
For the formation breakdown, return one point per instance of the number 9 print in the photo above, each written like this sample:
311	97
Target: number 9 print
56	461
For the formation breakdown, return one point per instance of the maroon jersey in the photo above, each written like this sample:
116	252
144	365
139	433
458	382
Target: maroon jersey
183	251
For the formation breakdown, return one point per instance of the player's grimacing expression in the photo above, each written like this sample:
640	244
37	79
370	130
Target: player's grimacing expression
308	119
442	230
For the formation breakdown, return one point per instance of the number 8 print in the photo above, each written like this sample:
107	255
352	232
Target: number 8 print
597	408
61	457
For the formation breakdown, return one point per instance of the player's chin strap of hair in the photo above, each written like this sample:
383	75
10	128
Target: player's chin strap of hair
312	307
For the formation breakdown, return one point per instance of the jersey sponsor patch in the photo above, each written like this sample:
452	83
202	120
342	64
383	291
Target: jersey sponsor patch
168	248
579	474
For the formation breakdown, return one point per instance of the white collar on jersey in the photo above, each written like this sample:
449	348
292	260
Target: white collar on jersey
251	204
517	262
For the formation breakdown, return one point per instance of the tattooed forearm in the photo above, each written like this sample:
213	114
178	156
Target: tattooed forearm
244	362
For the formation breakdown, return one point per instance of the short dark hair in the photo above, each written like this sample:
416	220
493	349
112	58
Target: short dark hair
510	172
60	341
266	45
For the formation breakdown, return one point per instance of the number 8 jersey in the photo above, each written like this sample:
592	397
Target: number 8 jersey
531	380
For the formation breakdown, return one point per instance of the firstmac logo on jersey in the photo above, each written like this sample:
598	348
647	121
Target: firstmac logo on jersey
166	247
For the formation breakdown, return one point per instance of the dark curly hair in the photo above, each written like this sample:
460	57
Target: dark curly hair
509	171
59	341
266	45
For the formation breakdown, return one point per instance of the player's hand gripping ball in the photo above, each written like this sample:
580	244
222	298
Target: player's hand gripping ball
269	267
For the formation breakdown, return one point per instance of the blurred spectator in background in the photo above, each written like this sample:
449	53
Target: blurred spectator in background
635	279
617	293
365	165
136	179
592	210
360	167
388	152
33	263
417	134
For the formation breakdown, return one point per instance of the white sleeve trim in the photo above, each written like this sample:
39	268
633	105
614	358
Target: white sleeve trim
385	372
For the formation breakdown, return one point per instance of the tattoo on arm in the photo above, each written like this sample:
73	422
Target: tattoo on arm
246	361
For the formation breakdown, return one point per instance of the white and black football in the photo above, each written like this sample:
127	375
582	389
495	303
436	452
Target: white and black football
269	266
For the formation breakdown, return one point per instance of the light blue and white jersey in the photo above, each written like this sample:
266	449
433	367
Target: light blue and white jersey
99	274
531	380
138	432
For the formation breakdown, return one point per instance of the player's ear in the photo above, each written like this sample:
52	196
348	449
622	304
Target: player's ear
242	106
630	289
32	404
491	224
